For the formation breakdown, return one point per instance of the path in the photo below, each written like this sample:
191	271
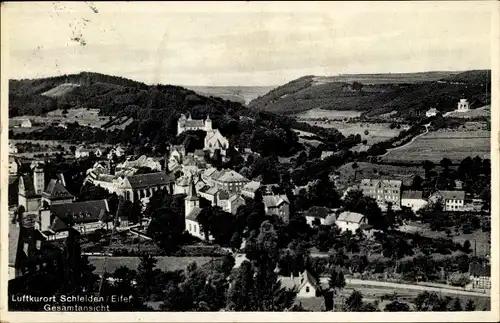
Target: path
409	142
444	289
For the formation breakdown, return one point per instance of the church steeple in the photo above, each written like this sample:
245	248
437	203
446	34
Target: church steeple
191	194
191	201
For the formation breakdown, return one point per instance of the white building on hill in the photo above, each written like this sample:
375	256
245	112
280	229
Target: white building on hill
463	105
185	124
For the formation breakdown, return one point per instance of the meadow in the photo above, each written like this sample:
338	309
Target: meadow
329	114
455	144
377	132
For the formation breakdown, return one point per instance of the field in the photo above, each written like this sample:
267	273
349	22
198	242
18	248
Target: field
390	78
377	132
404	173
480	238
473	140
329	114
473	113
164	263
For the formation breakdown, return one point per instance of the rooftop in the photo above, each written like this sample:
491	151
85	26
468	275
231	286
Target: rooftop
351	217
56	191
452	195
412	195
86	211
274	200
151	179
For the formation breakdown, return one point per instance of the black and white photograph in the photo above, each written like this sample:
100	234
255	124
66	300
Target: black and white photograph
249	157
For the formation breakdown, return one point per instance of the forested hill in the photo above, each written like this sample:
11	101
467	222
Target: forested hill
375	94
155	110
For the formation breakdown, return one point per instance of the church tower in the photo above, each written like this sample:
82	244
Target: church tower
191	201
208	123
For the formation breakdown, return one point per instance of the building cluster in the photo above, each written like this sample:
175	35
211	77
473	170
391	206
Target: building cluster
462	106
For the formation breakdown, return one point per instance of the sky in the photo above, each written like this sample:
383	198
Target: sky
244	43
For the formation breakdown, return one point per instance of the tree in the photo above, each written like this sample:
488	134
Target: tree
396	306
146	276
428	166
336	281
236	241
416	183
467	246
445	163
470	306
456	305
354	303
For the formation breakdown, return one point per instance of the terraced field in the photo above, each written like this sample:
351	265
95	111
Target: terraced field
453	144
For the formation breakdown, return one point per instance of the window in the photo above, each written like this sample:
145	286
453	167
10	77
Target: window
307	289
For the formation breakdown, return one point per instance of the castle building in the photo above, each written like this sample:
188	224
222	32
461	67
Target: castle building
30	189
186	124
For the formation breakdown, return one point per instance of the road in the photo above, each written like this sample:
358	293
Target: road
409	142
353	281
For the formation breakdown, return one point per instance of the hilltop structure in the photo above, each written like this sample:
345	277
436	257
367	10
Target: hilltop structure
463	105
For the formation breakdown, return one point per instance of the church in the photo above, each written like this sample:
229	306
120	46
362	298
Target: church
214	140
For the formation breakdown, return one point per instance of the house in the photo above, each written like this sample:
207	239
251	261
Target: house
229	180
25	244
12	149
115	151
250	188
210	194
234	202
142	161
56	193
432	112
193	165
326	154
20	123
85	217
185	124
30	189
277	205
463	105
480	275
413	200
214	140
182	185
320	215
384	191
14	165
82	152
176	156
350	221
452	200
305	285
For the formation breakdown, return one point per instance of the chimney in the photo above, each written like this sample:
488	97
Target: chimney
291	276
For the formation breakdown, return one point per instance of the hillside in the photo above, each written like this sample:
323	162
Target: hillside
375	94
146	116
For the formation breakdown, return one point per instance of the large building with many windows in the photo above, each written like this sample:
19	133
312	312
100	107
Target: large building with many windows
384	191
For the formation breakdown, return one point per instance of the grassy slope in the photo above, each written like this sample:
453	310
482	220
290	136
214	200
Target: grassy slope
399	93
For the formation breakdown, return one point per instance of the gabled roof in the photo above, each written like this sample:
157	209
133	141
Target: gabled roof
235	197
194	213
452	195
351	217
274	200
223	195
80	212
230	176
151	179
386	183
56	191
318	212
411	195
308	278
251	186
212	191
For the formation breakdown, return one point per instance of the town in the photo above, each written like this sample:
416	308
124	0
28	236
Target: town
250	157
140	218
